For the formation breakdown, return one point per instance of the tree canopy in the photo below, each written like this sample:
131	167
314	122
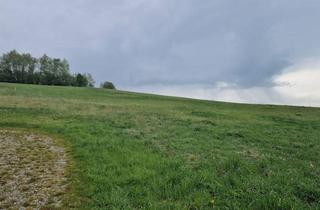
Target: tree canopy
23	68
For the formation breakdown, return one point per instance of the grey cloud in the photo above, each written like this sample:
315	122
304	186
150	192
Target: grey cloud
136	43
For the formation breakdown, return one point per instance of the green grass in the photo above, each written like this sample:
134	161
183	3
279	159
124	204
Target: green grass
140	151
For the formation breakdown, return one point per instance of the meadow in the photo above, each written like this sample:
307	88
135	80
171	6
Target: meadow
142	151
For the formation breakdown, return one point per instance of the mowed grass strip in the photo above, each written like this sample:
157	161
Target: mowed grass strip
140	151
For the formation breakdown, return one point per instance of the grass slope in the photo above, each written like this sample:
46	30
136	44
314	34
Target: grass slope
139	151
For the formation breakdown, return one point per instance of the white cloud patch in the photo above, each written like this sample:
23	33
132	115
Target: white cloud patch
300	84
297	85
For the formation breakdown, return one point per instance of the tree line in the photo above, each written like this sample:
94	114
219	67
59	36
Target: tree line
24	68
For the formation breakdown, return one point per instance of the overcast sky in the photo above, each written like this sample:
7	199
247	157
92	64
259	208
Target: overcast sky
253	51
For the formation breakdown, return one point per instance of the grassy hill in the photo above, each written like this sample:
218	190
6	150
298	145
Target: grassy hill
140	151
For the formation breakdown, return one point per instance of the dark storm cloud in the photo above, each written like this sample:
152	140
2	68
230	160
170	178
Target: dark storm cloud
143	42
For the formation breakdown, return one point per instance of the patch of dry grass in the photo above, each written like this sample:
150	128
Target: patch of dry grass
32	171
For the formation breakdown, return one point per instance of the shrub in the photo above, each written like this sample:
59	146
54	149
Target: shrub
108	85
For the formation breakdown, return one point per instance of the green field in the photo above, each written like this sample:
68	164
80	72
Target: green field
140	151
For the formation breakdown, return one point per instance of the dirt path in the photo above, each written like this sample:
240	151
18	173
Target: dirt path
32	171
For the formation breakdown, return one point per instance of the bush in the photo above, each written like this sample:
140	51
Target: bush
108	85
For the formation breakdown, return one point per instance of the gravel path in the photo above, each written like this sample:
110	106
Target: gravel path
32	171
